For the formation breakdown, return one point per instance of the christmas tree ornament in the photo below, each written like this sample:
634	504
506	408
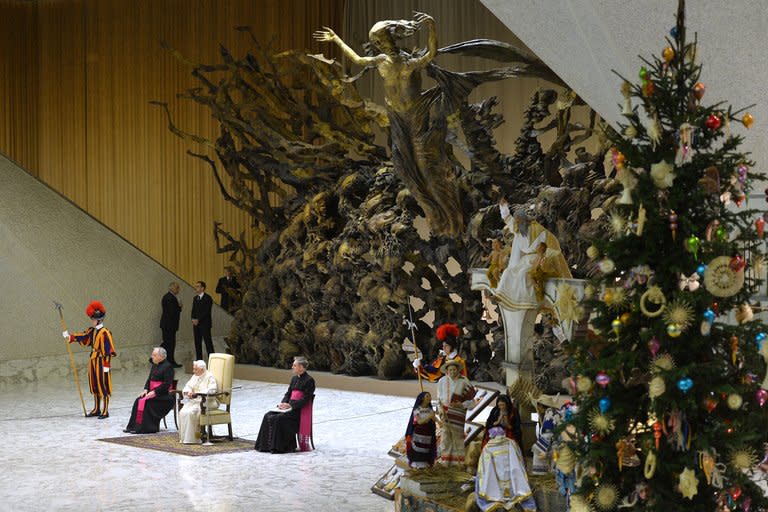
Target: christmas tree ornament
655	297
713	122
668	54
606	497
593	252
761	396
626	92
690	283
698	90
654	131
626	453
759	338
760	227
662	174
618	224
688	483
685	384
648	88
706	324
737	263
707	464
741	172
616	326
606	266
616	298
701	269
715	308
679	312
583	384
657	431
747	120
734	401
630	132
601	423
673	223
641	217
653	346
628	180
709	233
649	469
742	459
602	379
663	363
643	74
734	342
685	152
721	233
710	403
674	331
604	404
656	387
744	313
692	245
710	182
625	318
722	281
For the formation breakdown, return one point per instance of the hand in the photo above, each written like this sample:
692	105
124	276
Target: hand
417	364
151	394
283	406
324	35
195	321
420	18
65	334
143	393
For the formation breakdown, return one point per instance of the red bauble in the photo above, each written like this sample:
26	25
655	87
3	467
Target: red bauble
713	122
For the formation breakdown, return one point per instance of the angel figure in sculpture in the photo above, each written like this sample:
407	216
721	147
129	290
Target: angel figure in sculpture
535	256
418	124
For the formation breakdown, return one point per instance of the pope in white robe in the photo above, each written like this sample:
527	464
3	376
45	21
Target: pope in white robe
501	482
202	382
533	248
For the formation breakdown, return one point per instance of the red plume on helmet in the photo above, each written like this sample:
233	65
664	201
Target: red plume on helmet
96	310
447	331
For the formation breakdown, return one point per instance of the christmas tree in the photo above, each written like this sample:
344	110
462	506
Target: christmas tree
671	391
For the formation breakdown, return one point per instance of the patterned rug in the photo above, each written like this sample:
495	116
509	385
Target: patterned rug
169	442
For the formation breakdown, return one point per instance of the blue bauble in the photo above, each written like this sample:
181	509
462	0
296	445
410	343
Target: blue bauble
605	404
709	315
673	32
685	384
701	269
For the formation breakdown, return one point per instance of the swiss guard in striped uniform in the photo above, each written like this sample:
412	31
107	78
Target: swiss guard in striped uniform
99	339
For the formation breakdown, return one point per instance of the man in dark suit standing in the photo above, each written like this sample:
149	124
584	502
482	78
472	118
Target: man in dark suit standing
169	321
229	289
202	305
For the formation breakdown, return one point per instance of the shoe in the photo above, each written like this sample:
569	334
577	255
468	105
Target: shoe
177	365
129	431
104	416
92	414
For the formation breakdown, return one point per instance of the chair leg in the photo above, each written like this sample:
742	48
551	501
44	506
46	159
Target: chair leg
231	437
165	424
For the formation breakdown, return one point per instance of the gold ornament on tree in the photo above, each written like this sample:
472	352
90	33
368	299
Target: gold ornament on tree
679	312
655	297
606	497
688	483
721	280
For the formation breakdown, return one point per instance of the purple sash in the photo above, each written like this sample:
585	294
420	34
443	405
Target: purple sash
305	422
140	411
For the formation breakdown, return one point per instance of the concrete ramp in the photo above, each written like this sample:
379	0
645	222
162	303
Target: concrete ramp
51	250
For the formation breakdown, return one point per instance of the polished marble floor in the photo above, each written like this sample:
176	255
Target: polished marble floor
53	461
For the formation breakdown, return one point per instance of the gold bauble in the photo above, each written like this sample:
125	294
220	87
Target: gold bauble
735	401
